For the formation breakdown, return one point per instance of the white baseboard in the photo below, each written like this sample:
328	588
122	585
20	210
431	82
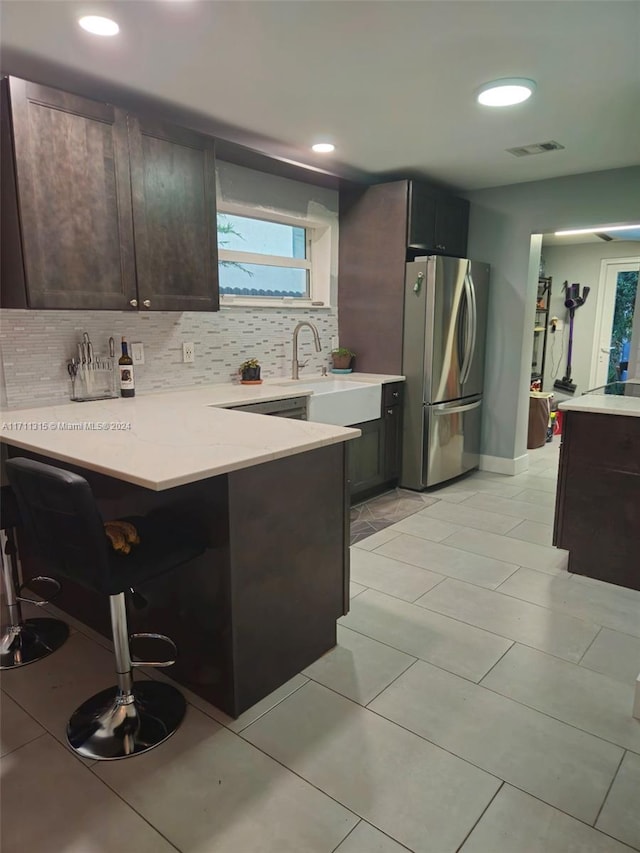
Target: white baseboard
500	465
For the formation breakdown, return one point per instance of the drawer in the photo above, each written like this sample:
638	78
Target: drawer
392	394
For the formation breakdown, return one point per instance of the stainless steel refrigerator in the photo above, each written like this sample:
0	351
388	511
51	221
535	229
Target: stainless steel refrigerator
445	318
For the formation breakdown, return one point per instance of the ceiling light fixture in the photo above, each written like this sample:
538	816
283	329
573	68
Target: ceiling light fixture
506	92
323	147
99	26
605	229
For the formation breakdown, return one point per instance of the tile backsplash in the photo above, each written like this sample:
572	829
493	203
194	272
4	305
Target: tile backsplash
35	346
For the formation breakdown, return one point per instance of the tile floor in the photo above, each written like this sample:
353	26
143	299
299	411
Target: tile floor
479	700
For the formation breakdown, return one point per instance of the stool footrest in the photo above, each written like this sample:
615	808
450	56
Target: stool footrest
163	638
42	601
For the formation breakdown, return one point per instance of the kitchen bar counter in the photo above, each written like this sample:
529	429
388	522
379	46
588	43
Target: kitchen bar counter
603	404
271	495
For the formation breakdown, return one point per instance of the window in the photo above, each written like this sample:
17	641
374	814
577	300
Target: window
263	258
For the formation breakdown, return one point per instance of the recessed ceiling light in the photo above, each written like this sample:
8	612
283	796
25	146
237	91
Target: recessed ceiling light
603	228
505	92
323	147
99	26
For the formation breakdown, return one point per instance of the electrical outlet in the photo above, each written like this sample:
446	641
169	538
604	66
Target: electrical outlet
137	353
188	354
334	342
559	325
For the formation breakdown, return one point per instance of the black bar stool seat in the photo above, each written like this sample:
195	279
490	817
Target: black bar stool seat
25	640
61	514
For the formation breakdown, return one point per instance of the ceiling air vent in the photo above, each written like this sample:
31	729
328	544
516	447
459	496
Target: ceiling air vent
536	148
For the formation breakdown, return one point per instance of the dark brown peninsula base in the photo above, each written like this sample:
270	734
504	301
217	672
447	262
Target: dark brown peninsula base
261	604
598	503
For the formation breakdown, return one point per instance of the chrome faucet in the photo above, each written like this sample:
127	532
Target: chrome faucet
295	364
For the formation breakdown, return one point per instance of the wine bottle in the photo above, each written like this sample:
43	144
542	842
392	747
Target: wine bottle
125	362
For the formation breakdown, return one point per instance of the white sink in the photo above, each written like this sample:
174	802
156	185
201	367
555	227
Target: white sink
341	402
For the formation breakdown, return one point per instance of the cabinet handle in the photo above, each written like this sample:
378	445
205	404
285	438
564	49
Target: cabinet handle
147	303
133	303
395	394
389	411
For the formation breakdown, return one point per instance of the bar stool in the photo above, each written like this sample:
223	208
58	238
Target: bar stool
60	513
25	640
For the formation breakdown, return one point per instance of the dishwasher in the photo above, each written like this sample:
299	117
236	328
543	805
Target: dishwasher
294	407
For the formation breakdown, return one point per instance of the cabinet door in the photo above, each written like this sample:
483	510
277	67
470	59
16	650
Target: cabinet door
451	226
422	217
174	212
366	459
392	442
72	171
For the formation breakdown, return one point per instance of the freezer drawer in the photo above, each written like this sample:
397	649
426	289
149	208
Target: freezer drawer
452	440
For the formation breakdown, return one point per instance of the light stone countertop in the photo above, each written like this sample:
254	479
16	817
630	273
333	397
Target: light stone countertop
603	404
175	437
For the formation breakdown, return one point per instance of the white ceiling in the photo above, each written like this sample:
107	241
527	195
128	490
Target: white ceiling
391	82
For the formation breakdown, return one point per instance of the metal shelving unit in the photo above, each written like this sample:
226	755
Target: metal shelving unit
541	329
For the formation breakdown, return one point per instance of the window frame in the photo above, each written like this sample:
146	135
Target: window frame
318	294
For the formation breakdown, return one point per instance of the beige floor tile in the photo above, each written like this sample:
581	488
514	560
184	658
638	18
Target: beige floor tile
518	509
515	822
367	839
355	589
541	482
427	528
359	667
391	576
468	516
534	496
454	496
449	643
620	816
206	789
533	531
452	562
256	711
614	654
588	700
555	633
504	548
415	792
604	604
376	539
16	726
565	767
70	810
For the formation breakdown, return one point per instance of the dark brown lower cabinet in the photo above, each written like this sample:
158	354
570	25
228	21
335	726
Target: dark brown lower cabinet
598	503
375	457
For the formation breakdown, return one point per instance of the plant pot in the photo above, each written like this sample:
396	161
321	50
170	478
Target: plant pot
341	362
250	374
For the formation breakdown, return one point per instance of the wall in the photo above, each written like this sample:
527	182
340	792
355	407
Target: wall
578	263
35	345
501	224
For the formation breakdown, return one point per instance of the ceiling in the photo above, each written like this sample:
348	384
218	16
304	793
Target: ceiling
390	82
630	236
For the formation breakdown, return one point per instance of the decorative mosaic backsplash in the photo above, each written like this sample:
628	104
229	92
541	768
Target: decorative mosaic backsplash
35	346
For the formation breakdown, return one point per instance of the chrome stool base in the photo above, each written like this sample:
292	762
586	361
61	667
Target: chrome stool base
107	727
30	641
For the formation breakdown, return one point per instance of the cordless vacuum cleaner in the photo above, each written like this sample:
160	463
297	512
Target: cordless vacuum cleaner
572	301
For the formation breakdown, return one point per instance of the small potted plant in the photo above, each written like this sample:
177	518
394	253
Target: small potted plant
342	359
250	372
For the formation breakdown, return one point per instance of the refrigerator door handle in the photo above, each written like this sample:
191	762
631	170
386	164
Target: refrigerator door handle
472	322
453	410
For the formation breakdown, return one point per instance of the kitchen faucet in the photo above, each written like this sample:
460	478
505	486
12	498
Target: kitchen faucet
295	364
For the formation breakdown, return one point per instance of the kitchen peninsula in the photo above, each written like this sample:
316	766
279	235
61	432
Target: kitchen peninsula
271	493
598	503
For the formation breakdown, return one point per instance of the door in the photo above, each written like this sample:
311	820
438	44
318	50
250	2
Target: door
174	212
451	226
615	311
72	171
366	456
452	437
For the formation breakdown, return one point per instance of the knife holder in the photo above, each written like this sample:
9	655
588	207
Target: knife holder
94	383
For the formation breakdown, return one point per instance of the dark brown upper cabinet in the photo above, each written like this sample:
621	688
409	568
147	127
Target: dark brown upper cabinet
438	223
103	210
174	214
71	171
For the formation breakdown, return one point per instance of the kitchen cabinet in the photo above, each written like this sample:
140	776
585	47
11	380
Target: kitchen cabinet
438	223
597	516
375	457
381	227
88	177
